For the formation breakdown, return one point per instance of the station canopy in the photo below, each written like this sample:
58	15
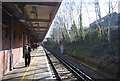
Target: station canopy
36	17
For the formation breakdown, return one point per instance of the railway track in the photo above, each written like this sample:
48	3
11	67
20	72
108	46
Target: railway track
64	71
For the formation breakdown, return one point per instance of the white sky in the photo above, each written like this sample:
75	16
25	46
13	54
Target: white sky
87	5
30	0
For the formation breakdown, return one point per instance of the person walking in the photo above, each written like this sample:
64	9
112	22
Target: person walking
27	50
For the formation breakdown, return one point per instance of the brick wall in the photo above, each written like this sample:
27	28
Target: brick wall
13	39
5	51
1	65
18	41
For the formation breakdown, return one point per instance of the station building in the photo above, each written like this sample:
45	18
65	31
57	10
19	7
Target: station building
21	23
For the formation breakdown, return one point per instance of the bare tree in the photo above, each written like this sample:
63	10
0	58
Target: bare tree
111	8
89	30
98	19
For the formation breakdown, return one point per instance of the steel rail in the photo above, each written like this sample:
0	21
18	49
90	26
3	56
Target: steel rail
80	75
58	78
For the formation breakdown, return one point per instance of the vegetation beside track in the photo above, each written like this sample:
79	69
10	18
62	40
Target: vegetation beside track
97	53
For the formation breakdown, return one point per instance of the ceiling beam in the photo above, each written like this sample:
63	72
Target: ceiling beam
39	20
21	7
36	3
37	31
42	32
39	27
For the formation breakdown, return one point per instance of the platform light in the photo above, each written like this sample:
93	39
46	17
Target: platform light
21	20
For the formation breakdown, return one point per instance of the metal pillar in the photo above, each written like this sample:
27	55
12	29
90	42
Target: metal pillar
0	26
11	40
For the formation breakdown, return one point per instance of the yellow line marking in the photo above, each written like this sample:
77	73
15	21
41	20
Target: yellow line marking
27	70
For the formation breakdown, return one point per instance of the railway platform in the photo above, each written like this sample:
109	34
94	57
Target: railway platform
38	69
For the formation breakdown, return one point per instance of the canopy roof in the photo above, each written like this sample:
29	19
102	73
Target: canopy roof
34	16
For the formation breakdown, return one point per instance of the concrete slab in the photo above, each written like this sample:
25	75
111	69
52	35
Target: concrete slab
38	70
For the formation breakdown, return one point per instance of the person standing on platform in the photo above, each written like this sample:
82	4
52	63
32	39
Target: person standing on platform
27	50
61	49
33	46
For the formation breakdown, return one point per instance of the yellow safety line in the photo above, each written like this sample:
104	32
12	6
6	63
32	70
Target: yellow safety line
27	70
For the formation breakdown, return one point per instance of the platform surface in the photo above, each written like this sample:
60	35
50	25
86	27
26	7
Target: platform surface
38	70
